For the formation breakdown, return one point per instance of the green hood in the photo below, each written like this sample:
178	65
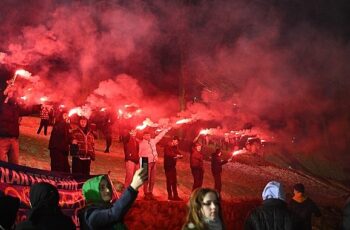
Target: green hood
91	190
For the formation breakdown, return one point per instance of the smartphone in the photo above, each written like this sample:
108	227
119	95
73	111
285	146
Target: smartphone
144	164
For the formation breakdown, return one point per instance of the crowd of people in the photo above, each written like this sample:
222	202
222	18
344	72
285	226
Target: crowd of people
103	212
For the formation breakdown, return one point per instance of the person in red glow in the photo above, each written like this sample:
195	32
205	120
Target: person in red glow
171	154
59	144
131	152
196	164
147	148
82	148
216	167
303	208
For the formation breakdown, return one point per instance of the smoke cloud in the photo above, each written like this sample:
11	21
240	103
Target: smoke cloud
279	65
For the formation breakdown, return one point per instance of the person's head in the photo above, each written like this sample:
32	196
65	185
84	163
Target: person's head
273	190
218	152
83	121
44	198
147	135
198	146
65	116
204	204
298	190
43	194
97	190
132	132
175	141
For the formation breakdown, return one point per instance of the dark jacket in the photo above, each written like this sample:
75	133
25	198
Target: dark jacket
60	137
346	215
303	213
45	212
217	163
272	215
98	214
131	148
86	143
9	206
196	159
170	154
9	118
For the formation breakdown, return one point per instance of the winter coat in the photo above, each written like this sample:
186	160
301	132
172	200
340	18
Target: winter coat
101	215
216	164
45	212
60	137
9	206
86	144
170	154
196	159
346	216
45	114
149	149
303	212
9	118
131	148
273	214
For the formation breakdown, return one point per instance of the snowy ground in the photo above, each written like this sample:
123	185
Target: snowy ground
242	179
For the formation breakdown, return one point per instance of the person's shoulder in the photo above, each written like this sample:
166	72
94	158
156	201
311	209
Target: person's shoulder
25	225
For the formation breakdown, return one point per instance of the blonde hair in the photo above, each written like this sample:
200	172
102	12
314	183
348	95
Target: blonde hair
194	216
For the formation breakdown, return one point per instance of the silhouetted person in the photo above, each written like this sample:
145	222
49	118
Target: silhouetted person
131	152
216	168
9	206
196	164
82	148
101	212
59	144
45	212
273	213
10	114
44	119
303	208
171	154
107	131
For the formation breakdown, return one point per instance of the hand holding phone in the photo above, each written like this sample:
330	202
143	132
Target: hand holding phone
144	164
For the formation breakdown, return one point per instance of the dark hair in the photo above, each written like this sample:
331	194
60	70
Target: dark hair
299	187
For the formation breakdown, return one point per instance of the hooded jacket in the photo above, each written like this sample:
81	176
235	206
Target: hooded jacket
101	215
45	212
273	213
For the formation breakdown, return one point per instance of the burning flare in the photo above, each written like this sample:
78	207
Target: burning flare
145	123
183	121
205	132
76	110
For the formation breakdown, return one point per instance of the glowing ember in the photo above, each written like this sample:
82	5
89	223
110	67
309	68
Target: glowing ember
62	106
43	99
183	121
24	98
103	110
238	152
138	111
